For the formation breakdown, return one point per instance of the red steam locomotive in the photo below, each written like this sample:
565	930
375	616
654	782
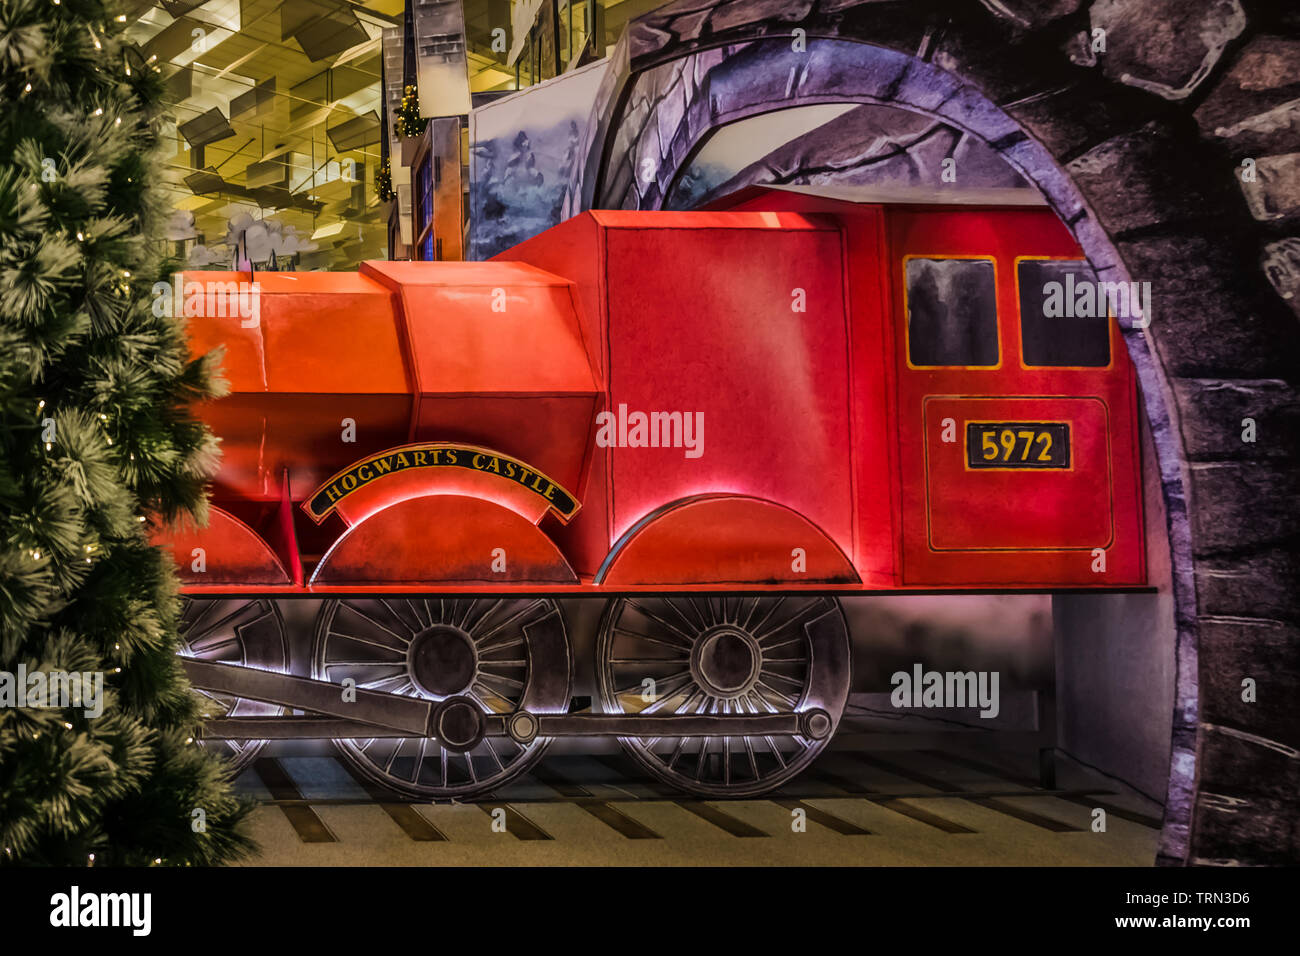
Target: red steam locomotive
715	421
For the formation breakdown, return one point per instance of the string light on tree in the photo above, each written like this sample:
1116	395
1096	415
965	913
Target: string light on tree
108	786
409	122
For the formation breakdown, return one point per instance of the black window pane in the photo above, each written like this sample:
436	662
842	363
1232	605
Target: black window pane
952	316
1054	330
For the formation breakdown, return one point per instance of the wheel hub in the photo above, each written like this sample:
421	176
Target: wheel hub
460	724
442	661
726	661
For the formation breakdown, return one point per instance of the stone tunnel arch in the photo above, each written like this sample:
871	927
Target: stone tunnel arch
1135	150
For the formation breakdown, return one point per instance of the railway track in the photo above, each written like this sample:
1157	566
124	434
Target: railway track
598	805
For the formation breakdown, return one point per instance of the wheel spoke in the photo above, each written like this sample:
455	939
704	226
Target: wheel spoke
419	759
690	625
369	643
802	612
471	628
329	664
481	692
636	688
401	680
482	641
773	675
762	686
754	629
493	752
204	651
505	680
397	746
646	637
365	617
686	638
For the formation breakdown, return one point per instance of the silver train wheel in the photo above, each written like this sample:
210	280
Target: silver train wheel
724	655
505	654
235	631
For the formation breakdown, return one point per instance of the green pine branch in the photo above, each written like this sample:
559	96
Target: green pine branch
98	448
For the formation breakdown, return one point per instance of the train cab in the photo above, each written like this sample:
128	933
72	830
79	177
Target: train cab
1008	397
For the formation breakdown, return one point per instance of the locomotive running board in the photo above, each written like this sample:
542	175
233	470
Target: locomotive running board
378	714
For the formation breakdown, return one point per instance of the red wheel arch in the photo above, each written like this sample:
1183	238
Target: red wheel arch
725	539
443	539
232	553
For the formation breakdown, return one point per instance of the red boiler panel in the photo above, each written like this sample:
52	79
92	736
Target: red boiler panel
737	319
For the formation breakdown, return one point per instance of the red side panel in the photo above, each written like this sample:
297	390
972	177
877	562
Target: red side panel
738	319
228	551
874	455
444	539
726	540
575	249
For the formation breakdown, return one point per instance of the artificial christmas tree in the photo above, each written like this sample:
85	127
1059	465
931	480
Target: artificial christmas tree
96	446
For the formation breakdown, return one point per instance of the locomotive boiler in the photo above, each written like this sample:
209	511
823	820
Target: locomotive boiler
716	423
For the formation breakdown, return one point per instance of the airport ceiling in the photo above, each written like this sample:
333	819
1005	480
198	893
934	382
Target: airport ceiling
274	112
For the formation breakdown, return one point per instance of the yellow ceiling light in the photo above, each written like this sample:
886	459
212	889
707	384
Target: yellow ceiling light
324	232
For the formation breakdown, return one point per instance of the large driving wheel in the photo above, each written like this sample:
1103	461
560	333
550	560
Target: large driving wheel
724	655
235	631
505	654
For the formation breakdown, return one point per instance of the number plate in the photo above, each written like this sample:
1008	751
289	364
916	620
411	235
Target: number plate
1018	444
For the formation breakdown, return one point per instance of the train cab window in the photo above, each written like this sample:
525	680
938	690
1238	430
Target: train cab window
1059	328
952	316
